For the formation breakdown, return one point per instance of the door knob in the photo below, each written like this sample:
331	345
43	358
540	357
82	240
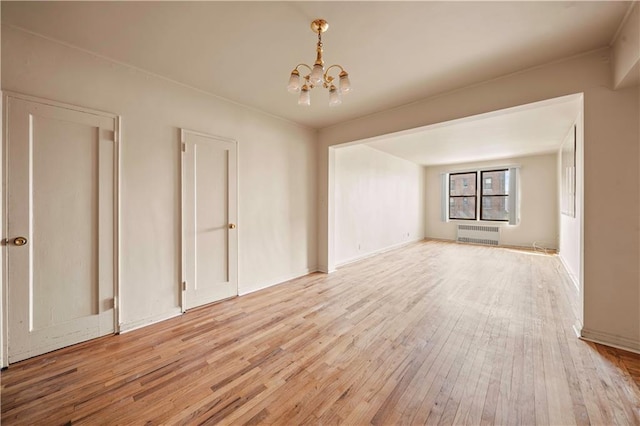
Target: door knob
232	226
20	241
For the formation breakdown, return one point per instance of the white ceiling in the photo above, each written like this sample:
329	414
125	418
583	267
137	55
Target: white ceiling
526	130
395	52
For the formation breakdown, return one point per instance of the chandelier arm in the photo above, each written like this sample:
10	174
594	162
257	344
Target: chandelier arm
302	65
326	73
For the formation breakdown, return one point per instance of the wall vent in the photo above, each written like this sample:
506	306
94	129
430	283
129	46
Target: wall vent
479	234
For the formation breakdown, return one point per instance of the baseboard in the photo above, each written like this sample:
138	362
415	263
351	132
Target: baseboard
528	248
574	280
325	269
576	329
611	340
505	246
134	325
377	252
442	240
280	280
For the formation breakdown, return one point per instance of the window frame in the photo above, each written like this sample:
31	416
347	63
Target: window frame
474	196
482	194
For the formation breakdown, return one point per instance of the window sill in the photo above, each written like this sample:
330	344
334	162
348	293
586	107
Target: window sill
481	222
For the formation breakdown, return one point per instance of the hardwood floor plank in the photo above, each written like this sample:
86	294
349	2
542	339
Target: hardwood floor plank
433	332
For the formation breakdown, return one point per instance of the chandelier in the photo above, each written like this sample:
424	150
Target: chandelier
318	75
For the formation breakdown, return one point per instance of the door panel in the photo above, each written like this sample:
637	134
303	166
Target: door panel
60	193
209	189
66	252
212	209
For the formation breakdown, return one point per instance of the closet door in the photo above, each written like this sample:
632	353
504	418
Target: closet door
61	231
210	240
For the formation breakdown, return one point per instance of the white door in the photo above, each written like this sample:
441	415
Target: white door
60	237
210	240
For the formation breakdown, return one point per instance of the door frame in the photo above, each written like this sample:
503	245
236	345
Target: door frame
183	133
6	98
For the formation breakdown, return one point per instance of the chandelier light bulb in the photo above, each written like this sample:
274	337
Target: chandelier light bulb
305	96
318	75
345	83
294	82
334	96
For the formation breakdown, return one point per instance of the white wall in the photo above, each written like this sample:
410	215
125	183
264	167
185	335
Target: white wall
611	175
277	170
570	251
538	202
626	51
379	202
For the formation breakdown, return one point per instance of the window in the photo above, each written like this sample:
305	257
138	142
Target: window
487	195
495	195
462	196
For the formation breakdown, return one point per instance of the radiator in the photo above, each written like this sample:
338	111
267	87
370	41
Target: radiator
479	234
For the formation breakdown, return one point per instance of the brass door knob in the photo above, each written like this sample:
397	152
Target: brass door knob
232	226
20	241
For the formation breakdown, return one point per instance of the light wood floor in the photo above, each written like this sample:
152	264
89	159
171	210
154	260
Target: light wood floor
431	333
